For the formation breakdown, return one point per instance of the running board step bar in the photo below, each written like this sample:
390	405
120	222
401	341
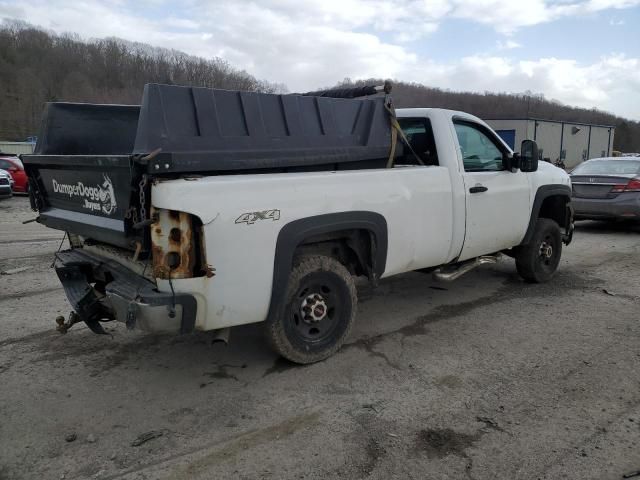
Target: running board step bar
449	273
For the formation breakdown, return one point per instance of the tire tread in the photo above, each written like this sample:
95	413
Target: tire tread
275	333
527	254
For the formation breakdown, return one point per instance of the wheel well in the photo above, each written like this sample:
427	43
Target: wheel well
555	208
552	202
354	248
358	238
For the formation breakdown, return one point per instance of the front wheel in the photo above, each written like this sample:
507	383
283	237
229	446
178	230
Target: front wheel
537	261
317	311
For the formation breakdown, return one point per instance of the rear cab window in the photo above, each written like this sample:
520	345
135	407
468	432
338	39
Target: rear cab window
481	151
420	136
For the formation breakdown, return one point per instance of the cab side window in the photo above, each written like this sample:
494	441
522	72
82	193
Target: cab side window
480	153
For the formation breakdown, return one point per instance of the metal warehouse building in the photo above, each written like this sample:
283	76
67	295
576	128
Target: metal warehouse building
572	142
16	148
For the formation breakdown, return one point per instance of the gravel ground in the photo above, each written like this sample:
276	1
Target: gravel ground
485	378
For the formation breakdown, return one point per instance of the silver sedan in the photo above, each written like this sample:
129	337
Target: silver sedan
607	189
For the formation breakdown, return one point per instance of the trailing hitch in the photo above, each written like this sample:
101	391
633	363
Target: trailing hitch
63	325
87	300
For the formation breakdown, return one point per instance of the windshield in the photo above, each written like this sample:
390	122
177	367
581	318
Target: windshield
608	167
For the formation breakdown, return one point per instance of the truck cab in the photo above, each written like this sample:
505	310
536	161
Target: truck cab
493	198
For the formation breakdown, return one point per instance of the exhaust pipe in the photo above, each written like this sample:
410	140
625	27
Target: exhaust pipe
449	275
221	336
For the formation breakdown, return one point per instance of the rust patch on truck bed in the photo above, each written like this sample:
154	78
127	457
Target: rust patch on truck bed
173	245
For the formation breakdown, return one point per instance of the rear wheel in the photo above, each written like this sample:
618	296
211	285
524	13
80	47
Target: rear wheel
538	261
317	312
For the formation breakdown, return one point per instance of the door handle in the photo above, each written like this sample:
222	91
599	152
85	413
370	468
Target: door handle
478	189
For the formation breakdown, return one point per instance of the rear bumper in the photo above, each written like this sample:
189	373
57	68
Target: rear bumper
625	205
101	289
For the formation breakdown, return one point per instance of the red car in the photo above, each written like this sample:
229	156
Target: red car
14	166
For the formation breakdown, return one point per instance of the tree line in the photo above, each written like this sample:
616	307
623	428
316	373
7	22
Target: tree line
38	66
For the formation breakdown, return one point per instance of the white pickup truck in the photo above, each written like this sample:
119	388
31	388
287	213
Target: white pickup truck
284	248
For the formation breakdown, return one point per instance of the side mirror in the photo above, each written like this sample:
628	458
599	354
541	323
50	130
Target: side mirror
528	156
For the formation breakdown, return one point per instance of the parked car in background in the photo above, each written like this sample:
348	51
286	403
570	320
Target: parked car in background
14	166
6	182
607	189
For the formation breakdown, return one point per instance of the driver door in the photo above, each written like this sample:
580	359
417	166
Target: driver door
496	200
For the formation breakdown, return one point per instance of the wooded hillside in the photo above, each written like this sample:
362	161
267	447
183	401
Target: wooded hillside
38	66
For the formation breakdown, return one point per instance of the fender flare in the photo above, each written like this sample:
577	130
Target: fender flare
294	233
544	192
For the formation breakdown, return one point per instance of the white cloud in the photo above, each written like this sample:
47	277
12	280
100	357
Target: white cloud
611	83
507	45
316	43
509	16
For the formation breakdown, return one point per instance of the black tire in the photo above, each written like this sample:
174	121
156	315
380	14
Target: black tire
317	311
538	261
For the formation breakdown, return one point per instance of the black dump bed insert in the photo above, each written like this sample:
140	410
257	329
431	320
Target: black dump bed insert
89	162
206	130
87	129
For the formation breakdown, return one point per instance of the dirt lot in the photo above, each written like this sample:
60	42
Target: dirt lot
486	378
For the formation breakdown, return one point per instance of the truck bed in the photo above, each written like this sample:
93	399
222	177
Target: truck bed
93	165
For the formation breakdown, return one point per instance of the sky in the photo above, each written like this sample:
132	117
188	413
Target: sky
579	52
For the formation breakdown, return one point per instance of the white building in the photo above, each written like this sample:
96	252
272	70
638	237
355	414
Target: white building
573	142
16	148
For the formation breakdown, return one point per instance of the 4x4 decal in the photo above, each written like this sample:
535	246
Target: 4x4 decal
251	217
